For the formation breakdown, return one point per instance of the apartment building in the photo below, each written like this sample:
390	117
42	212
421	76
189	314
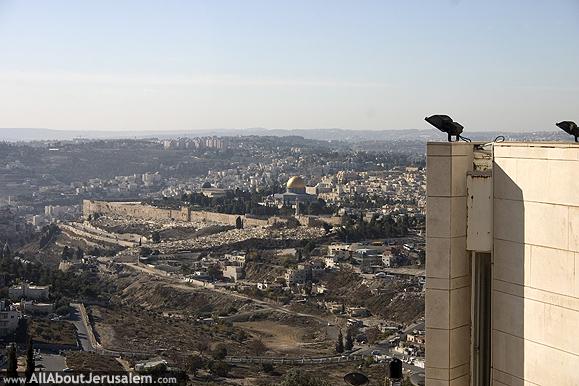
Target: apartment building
502	297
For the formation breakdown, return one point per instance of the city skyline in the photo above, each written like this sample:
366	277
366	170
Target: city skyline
215	65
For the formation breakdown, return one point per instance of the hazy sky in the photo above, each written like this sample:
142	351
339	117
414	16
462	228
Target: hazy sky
155	65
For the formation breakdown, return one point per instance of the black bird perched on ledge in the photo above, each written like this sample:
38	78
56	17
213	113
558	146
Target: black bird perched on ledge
569	128
445	124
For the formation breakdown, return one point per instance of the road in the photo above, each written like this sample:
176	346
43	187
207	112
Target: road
81	328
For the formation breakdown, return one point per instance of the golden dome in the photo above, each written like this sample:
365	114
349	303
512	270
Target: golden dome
296	182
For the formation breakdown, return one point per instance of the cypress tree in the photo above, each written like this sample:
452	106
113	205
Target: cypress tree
12	366
340	343
349	342
30	365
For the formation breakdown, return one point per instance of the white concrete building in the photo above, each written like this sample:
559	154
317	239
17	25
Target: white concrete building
502	296
238	258
9	317
30	307
27	291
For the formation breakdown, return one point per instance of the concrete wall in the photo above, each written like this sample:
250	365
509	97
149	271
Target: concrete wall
536	264
447	265
535	256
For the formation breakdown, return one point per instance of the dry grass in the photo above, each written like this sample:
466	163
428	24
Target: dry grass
289	339
52	332
87	361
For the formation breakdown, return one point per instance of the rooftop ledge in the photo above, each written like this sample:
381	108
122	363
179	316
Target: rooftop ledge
567	151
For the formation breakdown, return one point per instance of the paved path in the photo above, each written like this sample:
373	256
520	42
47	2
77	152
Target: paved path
81	328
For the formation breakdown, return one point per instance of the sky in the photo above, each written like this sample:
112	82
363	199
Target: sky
357	64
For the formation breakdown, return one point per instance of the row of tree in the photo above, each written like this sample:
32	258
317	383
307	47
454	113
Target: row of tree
371	335
12	375
245	202
386	226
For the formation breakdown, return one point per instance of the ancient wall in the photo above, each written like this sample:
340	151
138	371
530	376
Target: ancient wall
141	211
130	209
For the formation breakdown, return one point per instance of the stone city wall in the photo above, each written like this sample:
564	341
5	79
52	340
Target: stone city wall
147	212
133	209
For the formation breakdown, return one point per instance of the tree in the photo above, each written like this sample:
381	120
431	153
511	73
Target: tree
340	343
66	253
6	251
372	334
219	368
292	222
267	368
195	362
63	309
299	256
79	253
238	223
298	377
202	345
214	271
30	365
349	341
156	237
219	352
145	251
309	247
256	347
12	365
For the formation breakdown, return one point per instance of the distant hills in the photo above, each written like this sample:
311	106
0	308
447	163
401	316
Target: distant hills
348	135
